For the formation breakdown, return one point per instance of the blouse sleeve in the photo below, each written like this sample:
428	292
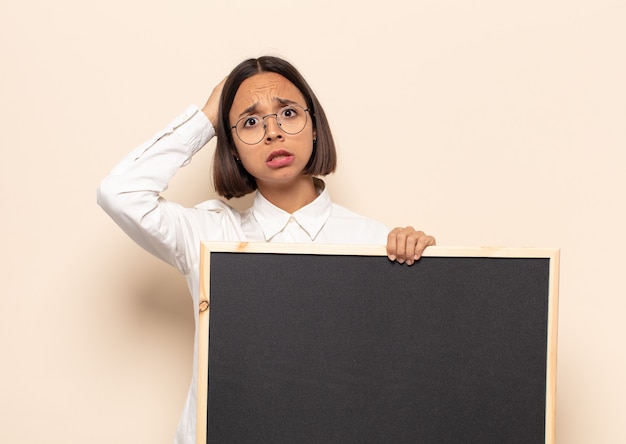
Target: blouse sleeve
131	193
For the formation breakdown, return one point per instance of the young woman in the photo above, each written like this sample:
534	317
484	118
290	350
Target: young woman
272	137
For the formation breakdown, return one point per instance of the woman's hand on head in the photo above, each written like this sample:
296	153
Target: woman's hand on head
212	106
407	244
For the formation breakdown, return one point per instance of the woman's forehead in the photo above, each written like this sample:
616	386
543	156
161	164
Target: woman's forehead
265	88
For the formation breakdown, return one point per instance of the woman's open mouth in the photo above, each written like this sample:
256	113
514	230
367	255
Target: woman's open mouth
279	158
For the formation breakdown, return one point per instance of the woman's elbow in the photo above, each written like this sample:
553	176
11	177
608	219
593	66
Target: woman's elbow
110	197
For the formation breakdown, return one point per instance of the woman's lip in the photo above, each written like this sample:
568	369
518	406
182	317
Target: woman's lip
278	153
279	158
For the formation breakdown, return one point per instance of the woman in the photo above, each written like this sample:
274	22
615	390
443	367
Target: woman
273	137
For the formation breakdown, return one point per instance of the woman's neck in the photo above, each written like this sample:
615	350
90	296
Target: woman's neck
290	197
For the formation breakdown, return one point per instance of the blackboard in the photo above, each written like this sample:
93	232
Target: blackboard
337	344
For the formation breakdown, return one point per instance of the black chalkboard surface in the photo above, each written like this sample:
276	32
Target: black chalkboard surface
328	344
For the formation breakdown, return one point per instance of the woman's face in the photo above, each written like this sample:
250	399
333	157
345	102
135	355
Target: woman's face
278	157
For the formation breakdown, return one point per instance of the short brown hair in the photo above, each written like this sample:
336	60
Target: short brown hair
229	176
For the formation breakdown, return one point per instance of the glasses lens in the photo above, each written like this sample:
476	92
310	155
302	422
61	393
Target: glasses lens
251	129
291	120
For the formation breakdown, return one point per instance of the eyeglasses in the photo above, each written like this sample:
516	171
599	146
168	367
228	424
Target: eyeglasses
252	129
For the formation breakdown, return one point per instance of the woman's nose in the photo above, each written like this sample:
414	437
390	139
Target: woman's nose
272	128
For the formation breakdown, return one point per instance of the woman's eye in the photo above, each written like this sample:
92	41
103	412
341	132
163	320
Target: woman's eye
289	113
250	122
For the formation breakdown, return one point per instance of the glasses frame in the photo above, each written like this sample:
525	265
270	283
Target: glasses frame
275	115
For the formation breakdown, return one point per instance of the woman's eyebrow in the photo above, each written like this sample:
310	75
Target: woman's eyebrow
284	101
252	108
248	110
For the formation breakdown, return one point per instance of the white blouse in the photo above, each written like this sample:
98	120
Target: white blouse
130	194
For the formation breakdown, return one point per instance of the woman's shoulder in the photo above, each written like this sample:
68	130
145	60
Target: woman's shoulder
214	205
342	215
220	208
343	212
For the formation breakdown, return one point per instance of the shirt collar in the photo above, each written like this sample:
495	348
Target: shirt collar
311	217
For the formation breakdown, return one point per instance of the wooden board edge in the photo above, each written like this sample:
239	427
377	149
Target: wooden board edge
204	305
375	250
553	309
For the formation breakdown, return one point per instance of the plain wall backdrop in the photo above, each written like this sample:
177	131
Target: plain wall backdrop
485	123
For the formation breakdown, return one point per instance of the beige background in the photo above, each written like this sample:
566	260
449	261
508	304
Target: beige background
485	123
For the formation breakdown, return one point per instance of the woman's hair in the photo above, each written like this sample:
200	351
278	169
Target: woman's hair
229	176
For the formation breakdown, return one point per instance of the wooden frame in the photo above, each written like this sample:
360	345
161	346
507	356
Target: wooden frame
208	248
